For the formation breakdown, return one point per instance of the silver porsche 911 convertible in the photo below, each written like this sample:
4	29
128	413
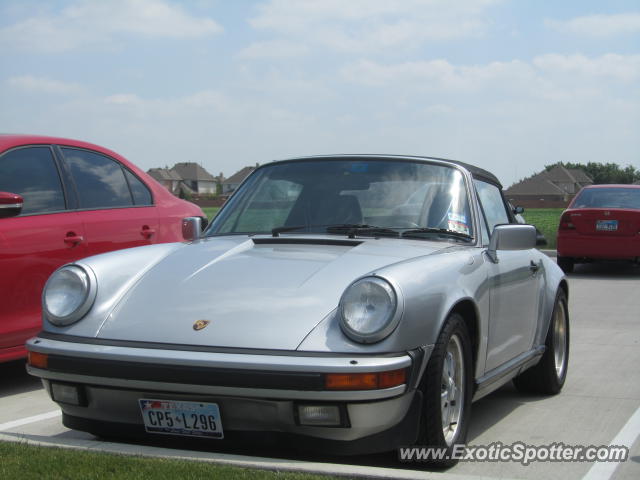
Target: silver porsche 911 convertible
346	303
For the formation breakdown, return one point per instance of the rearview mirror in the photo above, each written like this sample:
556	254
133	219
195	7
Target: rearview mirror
511	237
191	228
10	204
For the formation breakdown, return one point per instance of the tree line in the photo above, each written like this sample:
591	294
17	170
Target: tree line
603	172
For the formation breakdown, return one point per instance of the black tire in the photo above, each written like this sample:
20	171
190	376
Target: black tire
547	377
432	432
566	264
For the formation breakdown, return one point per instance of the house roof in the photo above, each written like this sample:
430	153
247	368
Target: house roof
561	174
548	182
240	175
536	185
192	171
580	175
161	174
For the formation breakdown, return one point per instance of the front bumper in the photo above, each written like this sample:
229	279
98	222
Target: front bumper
257	393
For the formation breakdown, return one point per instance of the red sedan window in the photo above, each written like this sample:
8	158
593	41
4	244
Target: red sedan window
99	180
608	198
31	172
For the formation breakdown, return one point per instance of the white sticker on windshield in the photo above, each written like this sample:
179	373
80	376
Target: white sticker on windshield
457	217
458	227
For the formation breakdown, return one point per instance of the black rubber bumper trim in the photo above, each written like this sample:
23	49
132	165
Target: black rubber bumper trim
402	434
191	375
60	337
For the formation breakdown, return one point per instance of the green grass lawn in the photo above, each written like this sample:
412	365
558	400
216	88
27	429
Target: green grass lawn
210	211
547	220
20	460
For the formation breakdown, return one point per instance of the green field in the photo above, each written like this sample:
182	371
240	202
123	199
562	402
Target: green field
210	211
19	460
547	220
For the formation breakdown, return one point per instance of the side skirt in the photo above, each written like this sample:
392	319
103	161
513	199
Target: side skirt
504	373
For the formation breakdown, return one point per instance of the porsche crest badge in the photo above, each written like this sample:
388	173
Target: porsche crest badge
200	324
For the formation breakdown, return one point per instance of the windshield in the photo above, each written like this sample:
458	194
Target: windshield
608	198
320	195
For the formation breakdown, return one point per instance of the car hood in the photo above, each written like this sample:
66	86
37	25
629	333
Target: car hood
263	293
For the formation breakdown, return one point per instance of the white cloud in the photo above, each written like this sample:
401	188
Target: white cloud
273	49
438	74
87	24
35	84
599	25
439	109
550	76
371	25
625	68
123	99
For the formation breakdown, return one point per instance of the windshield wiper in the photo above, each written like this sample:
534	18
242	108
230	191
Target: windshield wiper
415	232
354	229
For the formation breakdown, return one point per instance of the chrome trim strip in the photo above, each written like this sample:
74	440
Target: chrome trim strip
11	205
349	396
288	363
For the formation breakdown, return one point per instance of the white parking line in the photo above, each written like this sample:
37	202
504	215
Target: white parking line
28	420
626	437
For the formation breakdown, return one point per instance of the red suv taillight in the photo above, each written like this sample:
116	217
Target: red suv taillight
565	222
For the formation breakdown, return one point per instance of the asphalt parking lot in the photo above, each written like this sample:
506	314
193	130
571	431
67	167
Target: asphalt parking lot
600	404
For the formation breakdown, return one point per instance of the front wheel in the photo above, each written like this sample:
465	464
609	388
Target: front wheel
447	388
549	375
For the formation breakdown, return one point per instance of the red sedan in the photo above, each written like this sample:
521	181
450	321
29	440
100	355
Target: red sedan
61	200
601	223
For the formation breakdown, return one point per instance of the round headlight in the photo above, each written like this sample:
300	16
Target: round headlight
368	310
68	295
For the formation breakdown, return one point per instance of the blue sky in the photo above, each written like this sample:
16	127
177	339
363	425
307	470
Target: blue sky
507	85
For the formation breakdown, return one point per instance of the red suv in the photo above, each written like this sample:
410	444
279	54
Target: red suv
61	200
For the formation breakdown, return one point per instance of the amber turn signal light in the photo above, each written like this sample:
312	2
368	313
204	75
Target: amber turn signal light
365	381
38	360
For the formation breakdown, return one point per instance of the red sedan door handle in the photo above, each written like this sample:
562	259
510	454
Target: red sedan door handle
72	239
147	232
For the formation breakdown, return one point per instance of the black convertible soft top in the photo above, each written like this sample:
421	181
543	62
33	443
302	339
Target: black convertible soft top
477	172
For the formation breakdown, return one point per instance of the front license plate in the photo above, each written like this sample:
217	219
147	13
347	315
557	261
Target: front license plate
171	417
607	225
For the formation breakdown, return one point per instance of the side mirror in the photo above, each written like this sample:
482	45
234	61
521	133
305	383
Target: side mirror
511	237
191	228
541	241
10	204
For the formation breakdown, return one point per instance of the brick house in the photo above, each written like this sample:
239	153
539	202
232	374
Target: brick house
550	188
196	178
230	184
167	177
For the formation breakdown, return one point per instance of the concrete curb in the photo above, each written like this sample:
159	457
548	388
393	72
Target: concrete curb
242	461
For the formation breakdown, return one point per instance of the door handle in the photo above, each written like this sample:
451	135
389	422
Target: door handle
72	239
147	232
534	267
